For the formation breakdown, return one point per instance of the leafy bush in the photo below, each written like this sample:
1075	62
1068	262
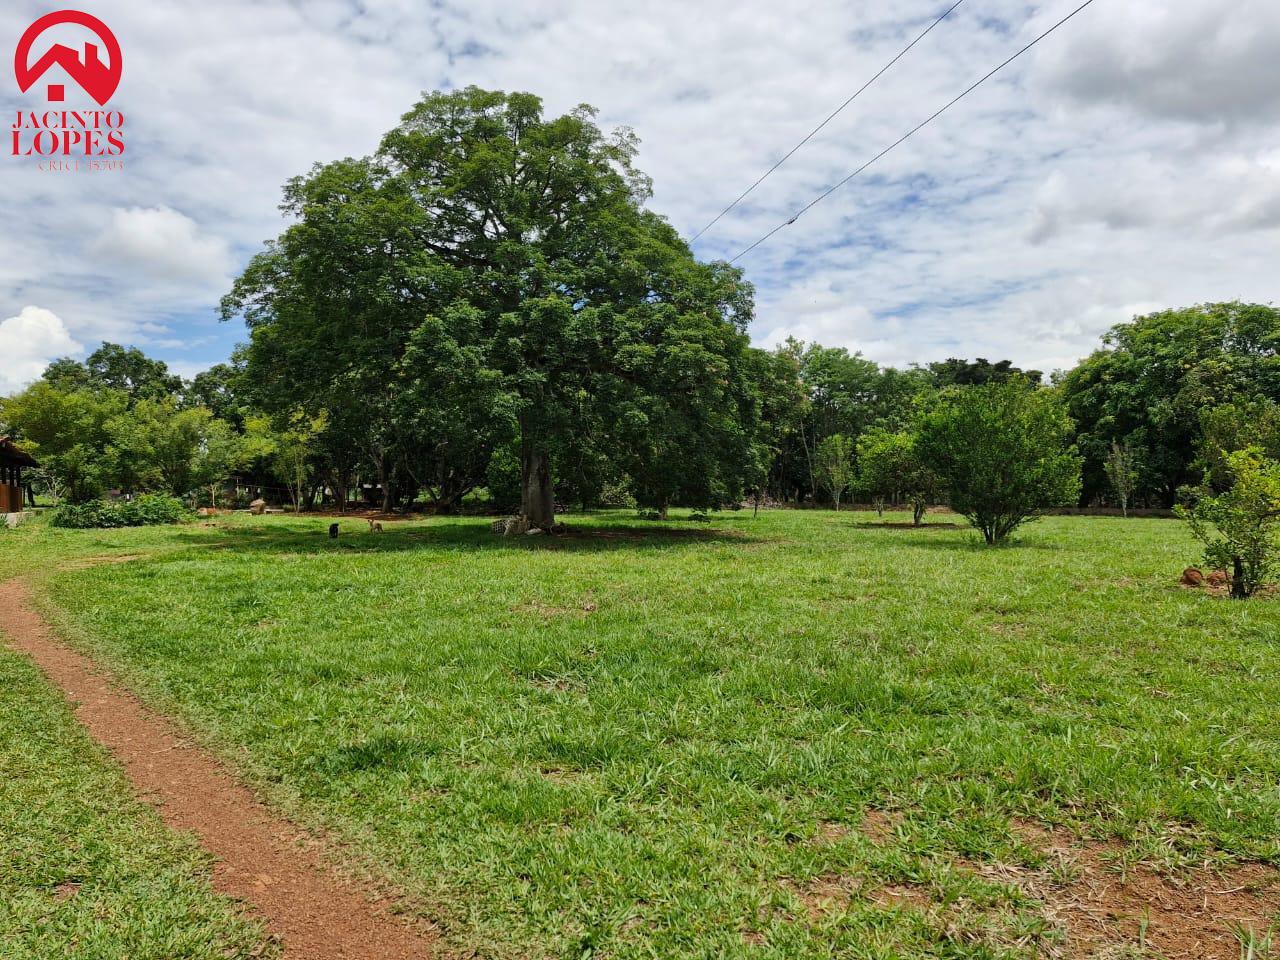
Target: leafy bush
144	511
890	466
1003	451
617	494
1240	527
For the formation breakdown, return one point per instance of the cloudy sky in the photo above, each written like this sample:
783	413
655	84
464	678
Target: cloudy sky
1130	162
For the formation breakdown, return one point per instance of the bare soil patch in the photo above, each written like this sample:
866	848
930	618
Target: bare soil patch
550	611
1188	915
1103	909
269	863
879	825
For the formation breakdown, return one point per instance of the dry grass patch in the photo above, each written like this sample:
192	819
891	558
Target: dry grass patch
1102	908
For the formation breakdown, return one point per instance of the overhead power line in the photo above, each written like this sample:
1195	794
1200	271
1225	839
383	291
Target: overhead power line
908	135
810	135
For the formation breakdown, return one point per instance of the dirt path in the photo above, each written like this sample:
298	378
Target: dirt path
261	859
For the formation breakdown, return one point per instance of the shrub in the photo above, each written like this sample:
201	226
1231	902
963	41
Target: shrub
617	494
144	511
1003	451
1240	527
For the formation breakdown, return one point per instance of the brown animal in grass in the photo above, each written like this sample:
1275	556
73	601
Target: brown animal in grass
1192	577
1219	578
375	526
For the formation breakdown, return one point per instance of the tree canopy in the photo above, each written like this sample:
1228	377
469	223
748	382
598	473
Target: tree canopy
1003	452
490	277
1154	377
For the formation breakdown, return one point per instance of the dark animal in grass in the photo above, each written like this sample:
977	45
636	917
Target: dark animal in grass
1219	578
1192	577
374	526
333	531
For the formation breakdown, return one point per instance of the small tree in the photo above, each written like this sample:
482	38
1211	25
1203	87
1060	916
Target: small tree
1003	451
220	452
1122	471
890	468
1240	527
289	449
835	465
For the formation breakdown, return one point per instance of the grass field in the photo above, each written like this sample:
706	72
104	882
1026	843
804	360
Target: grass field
86	870
659	740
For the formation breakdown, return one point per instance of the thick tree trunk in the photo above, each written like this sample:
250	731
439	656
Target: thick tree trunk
384	480
537	498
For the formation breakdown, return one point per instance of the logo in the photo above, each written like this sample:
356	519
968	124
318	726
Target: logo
95	78
71	139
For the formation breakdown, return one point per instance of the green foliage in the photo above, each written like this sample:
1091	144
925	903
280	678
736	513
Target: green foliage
502	478
1003	451
112	367
834	465
1152	379
157	445
289	443
1253	422
838	392
1240	527
222	391
1122	471
890	468
953	372
68	431
144	511
490	275
92	438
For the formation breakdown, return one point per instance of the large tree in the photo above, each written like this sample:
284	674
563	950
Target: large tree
1154	376
113	367
493	264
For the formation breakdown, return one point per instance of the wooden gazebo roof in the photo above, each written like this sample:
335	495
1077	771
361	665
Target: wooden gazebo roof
11	456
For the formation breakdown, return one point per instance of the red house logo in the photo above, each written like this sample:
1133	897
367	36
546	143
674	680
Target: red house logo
99	80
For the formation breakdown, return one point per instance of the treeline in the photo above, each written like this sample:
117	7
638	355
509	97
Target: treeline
485	303
1147	412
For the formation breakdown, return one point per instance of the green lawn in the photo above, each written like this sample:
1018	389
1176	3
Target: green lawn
648	740
86	871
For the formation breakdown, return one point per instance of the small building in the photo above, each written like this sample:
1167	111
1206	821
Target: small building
12	462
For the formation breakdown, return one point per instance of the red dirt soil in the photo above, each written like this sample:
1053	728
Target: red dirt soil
262	859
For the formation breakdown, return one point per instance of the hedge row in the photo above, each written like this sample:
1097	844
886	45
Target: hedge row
147	510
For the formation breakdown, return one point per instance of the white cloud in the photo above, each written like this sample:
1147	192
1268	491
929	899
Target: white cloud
1205	61
188	369
1132	158
163	244
27	343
